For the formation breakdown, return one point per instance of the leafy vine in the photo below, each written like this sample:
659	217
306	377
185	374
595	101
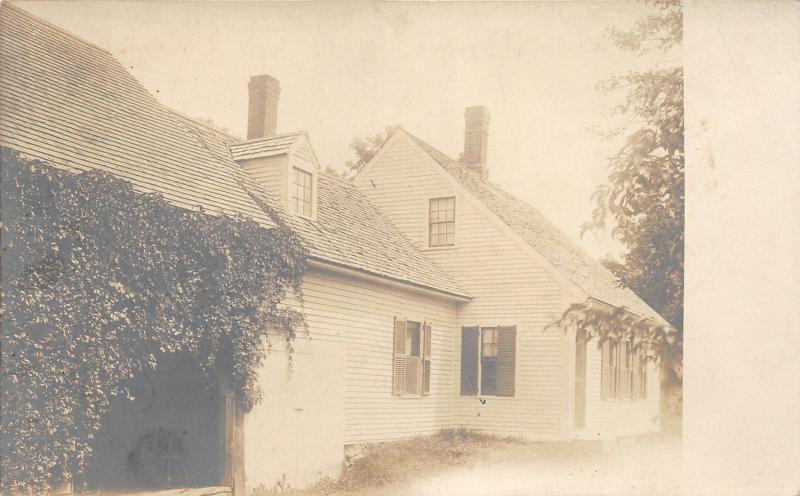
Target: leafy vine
99	282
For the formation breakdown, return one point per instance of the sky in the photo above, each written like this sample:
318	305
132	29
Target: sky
350	69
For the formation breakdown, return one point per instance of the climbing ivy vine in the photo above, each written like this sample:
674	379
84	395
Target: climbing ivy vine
99	283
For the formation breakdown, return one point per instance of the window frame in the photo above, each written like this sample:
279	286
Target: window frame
494	358
294	189
430	223
424	331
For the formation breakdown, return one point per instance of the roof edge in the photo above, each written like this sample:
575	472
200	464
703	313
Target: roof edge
275	136
323	264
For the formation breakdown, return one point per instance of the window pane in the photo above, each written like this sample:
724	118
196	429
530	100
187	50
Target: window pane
488	375
489	342
413	339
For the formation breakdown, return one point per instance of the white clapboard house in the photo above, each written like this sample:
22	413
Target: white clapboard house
428	295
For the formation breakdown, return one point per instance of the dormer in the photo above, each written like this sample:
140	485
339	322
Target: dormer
284	165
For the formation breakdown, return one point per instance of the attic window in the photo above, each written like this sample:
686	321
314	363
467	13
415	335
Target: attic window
301	192
442	222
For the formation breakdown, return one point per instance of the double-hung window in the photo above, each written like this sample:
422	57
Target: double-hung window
488	356
302	191
442	221
411	374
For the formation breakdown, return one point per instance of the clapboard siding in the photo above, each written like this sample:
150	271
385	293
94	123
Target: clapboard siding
303	154
360	315
271	174
508	287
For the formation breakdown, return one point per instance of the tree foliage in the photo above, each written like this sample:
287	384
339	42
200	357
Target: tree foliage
660	341
366	147
645	190
99	281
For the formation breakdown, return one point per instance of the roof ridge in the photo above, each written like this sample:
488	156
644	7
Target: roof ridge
196	121
62	31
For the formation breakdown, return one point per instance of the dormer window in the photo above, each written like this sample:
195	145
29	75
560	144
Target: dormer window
442	222
302	191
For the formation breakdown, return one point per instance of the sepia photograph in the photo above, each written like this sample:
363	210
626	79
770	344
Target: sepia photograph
389	248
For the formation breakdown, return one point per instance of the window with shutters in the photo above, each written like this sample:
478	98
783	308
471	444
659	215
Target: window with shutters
442	222
488	357
623	372
412	358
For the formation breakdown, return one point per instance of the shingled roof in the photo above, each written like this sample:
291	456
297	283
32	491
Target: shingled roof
71	103
260	147
351	231
585	271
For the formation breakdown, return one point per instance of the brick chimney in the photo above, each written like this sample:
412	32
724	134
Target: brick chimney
476	139
262	109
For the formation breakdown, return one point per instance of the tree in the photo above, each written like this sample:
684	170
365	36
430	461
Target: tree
645	190
366	147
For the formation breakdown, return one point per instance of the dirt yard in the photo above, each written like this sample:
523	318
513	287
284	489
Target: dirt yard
457	463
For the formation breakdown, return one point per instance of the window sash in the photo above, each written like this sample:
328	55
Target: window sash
489	343
413	339
302	192
442	221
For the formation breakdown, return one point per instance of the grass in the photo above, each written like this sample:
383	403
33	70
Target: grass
379	464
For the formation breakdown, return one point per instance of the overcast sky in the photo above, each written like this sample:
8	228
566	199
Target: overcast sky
350	69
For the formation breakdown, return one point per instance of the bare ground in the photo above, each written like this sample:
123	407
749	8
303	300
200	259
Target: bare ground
454	463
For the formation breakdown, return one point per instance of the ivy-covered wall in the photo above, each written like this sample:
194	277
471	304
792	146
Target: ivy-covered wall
99	281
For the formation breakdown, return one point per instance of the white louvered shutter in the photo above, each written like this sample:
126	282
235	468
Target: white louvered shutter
426	359
399	362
